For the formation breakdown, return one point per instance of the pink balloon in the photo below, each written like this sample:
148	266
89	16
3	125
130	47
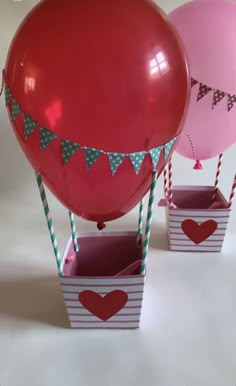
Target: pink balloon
208	32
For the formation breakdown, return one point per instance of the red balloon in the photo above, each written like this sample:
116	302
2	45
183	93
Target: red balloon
107	75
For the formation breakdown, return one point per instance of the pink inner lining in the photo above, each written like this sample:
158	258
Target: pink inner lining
197	199
102	256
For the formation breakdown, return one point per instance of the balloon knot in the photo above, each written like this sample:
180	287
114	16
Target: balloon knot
198	165
101	226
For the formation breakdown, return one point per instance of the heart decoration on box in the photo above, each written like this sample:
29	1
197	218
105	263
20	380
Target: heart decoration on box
198	232
104	307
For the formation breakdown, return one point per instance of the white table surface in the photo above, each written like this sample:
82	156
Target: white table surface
187	335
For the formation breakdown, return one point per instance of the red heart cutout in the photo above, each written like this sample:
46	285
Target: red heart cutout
198	232
104	307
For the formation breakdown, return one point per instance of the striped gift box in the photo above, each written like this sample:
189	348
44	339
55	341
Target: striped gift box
196	225
108	301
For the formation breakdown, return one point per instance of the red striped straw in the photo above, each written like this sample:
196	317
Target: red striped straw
166	183
217	177
170	192
232	192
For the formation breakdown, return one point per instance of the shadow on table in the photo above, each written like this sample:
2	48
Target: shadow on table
159	237
38	300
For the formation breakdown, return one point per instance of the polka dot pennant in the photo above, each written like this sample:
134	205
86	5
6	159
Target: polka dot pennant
168	147
155	155
29	126
231	100
217	96
115	160
7	95
46	137
193	82
68	150
137	160
203	91
91	156
15	110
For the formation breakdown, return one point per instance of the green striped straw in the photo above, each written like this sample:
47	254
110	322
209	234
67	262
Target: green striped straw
49	222
140	222
149	221
73	232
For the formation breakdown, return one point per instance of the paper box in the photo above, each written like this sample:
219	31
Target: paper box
197	224
94	296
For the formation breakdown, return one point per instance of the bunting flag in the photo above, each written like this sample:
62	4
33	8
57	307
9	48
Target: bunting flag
217	95
155	155
137	160
231	100
168	147
115	160
46	137
68	150
15	110
29	126
203	91
91	156
193	82
7	95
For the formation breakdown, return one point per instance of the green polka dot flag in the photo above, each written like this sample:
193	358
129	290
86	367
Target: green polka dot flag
46	137
29	126
155	155
137	160
15	110
68	150
7	95
168	147
115	160
91	156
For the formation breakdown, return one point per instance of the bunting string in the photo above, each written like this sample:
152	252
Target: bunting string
217	95
69	148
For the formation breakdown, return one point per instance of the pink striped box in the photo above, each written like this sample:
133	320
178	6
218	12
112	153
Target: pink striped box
196	224
95	296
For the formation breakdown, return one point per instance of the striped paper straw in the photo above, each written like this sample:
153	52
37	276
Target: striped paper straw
217	176
231	197
49	222
170	193
73	232
166	184
140	222
149	221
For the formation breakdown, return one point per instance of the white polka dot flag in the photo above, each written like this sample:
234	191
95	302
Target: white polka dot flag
91	156
137	160
115	160
155	155
193	82
15	110
168	147
68	150
203	91
217	97
7	95
231	100
46	137
29	126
